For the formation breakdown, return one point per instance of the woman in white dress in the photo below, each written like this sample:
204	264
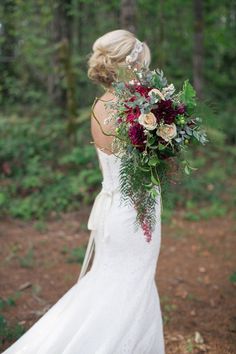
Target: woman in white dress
114	307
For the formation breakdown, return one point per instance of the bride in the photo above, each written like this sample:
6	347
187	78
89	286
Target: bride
114	307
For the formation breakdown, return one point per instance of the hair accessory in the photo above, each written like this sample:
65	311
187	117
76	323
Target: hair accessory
133	56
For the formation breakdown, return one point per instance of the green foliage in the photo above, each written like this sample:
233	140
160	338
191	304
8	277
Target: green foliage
41	170
27	261
188	95
131	194
232	278
75	255
217	209
10	332
43	173
168	308
10	301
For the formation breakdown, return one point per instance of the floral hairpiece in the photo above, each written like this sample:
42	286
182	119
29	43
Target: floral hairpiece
133	56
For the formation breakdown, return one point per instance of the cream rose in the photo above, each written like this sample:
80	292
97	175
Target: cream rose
148	120
167	131
157	93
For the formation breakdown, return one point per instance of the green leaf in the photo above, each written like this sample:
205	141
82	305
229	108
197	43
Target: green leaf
153	193
161	147
153	161
186	170
145	169
149	185
2	198
154	180
188	96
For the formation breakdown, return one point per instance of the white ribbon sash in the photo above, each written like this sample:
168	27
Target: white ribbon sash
99	212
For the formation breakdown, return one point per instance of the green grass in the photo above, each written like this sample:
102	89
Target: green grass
168	307
10	301
232	278
27	261
216	209
9	332
40	226
75	255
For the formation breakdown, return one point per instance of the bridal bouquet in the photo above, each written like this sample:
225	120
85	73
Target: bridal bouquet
154	125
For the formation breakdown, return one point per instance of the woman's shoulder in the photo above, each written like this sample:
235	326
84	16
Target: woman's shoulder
101	106
108	96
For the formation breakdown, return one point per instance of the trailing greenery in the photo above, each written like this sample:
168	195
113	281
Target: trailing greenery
154	127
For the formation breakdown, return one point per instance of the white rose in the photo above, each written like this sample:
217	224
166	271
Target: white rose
167	131
148	120
156	92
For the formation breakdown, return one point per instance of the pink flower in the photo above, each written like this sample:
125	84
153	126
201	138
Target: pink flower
147	231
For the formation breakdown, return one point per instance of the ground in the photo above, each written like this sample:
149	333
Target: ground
195	277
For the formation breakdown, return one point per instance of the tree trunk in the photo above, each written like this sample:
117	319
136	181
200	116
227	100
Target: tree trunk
128	15
161	58
198	47
63	31
67	68
7	66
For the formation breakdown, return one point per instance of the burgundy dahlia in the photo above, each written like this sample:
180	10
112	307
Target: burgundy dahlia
142	90
132	112
137	136
132	115
181	109
165	111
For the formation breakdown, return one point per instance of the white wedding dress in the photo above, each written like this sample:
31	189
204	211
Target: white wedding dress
114	307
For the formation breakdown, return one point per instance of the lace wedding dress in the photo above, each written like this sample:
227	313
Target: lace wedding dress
114	307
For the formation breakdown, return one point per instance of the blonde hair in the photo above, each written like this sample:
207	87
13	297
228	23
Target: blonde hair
109	54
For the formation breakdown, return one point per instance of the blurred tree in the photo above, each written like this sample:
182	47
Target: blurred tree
38	77
198	47
7	47
161	33
61	33
127	15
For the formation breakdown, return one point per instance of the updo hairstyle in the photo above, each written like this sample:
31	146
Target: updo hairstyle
109	54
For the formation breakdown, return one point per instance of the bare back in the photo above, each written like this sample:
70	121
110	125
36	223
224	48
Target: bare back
101	140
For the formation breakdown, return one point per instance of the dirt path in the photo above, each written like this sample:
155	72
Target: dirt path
193	277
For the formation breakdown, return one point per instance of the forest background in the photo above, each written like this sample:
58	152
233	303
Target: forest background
47	161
